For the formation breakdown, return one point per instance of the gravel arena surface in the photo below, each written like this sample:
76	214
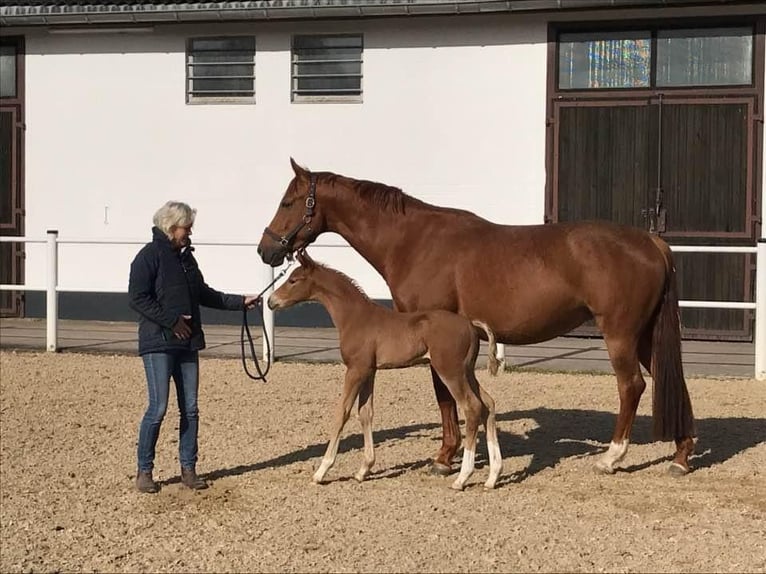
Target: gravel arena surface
68	427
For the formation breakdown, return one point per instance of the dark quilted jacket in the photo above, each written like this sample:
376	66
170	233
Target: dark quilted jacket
164	284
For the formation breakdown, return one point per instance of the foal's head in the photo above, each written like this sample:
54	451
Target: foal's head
298	220
300	285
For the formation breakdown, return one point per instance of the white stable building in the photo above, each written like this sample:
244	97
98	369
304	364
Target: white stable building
646	112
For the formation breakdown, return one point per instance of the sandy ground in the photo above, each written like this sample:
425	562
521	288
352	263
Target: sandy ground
68	427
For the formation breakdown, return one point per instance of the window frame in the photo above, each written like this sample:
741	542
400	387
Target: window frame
353	98
196	99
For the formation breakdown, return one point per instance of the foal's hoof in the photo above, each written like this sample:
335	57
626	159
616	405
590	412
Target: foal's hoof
676	470
602	468
457	486
440	469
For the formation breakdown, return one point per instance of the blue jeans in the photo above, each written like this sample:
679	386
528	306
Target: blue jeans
183	367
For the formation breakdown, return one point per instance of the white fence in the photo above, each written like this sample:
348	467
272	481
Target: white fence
52	288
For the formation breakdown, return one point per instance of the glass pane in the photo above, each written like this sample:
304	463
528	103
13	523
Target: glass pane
324	44
7	71
242	86
329	86
217	57
222	70
6	166
328	68
241	43
604	60
705	57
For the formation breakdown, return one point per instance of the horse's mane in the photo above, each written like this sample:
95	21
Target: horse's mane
386	197
343	277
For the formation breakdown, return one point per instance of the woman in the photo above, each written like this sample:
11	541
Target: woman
166	289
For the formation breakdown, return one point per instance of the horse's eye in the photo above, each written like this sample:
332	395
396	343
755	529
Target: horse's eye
286	204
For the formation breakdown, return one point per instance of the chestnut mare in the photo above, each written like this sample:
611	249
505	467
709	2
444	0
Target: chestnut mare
373	337
528	283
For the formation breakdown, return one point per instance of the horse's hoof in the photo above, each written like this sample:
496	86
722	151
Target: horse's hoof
457	486
602	468
489	485
440	469
360	476
677	470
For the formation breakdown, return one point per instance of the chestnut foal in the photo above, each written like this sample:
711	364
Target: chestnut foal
373	337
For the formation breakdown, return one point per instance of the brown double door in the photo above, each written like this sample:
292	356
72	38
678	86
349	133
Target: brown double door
680	167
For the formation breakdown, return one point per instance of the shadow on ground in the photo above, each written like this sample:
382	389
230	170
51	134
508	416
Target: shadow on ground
560	434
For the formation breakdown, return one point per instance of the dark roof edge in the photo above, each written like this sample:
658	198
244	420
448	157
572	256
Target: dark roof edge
104	14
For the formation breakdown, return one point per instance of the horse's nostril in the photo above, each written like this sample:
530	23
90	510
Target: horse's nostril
258	250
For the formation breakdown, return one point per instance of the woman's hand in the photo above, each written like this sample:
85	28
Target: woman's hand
182	328
251	301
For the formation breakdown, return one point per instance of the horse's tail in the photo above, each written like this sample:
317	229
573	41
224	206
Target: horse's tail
671	406
492	361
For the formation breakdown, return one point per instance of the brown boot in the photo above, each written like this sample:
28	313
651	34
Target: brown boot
191	480
145	483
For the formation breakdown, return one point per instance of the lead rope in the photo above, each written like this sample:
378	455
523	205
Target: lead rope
245	331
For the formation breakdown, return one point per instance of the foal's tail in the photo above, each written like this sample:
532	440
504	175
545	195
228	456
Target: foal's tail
493	362
671	406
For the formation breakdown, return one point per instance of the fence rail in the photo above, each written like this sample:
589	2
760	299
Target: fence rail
52	288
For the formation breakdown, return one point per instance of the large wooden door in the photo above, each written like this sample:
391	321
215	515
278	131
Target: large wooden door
680	168
706	194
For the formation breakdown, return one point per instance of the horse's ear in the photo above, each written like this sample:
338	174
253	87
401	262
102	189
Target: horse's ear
298	170
304	259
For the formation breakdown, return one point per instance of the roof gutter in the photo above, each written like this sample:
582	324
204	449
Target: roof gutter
109	14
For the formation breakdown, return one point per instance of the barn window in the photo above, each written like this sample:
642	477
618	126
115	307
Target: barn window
220	70
655	58
327	68
604	60
705	57
7	71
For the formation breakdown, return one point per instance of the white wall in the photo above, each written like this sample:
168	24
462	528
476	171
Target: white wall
453	113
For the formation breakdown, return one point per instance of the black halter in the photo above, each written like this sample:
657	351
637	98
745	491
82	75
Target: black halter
287	241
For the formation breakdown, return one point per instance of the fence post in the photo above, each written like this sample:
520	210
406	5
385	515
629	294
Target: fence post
760	311
51	295
268	314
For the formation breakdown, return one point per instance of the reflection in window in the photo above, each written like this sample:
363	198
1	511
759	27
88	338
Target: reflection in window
606	60
221	69
705	57
7	71
327	67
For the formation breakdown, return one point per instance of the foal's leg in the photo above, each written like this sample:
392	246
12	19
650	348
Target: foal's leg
493	445
365	417
442	464
623	354
473	410
353	382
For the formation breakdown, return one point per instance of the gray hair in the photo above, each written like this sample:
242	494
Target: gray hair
174	214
